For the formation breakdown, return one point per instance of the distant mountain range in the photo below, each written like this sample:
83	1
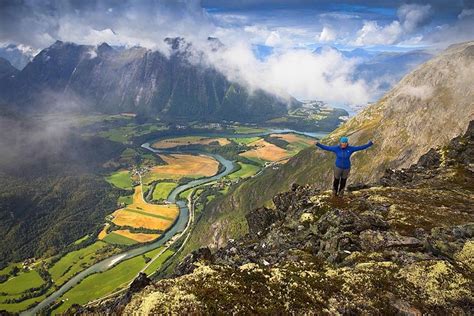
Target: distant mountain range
139	80
18	55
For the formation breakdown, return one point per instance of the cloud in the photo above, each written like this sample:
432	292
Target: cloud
410	18
326	76
374	34
327	35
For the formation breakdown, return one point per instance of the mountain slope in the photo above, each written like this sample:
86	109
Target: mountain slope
429	106
403	246
139	80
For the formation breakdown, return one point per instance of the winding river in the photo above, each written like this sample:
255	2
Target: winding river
179	226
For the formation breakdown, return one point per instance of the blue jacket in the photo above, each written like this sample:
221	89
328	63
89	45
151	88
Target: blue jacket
343	156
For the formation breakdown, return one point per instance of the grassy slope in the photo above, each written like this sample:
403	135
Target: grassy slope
245	171
73	262
21	283
120	179
113	238
163	189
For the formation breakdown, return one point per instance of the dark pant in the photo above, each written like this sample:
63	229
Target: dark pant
340	178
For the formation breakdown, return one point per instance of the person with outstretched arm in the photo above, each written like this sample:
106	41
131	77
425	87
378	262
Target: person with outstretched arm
343	162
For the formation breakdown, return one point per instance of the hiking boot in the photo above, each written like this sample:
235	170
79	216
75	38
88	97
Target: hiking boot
334	193
341	193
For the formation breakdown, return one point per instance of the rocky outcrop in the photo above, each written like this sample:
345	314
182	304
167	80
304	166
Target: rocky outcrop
401	246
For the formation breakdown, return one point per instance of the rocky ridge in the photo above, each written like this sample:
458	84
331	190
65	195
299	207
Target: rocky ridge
402	245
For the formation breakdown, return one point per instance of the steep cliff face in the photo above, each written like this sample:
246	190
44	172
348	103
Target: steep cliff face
426	109
104	79
403	245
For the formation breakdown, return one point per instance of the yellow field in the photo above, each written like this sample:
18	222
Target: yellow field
139	204
139	237
266	151
103	232
140	214
295	138
183	165
124	217
188	140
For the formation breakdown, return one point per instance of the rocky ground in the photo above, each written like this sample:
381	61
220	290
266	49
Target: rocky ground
403	245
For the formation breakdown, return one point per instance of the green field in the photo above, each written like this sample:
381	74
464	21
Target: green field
117	239
22	282
127	199
124	133
18	307
248	130
80	240
120	179
184	195
101	284
245	171
163	189
74	262
259	161
155	265
244	140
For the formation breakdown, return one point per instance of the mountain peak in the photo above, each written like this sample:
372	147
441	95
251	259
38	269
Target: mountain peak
104	47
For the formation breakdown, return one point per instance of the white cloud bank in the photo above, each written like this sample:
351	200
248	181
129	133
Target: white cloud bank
305	75
410	18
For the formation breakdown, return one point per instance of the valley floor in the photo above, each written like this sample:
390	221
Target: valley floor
144	213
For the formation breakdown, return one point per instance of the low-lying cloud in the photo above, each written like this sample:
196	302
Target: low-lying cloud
301	73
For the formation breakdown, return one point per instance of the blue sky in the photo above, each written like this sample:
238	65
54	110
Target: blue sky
268	44
373	24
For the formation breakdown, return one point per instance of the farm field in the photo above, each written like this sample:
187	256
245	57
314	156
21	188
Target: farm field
20	283
296	142
101	284
245	171
163	189
140	214
116	239
265	151
120	179
74	262
155	265
138	237
182	165
188	140
244	140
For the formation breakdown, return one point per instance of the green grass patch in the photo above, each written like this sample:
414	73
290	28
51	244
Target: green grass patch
117	239
22	282
120	179
259	161
155	265
18	307
127	199
101	284
185	194
248	130
74	262
244	140
245	171
80	240
163	189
